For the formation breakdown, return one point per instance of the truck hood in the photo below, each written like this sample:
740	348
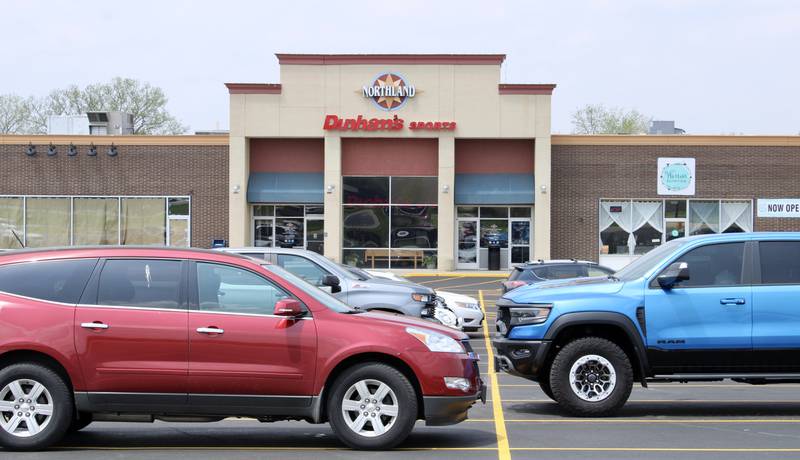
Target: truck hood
572	287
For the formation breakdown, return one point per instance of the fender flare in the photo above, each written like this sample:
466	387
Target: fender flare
606	318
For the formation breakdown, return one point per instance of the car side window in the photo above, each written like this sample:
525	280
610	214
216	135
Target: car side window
597	271
144	283
557	272
222	288
302	267
54	280
780	262
255	255
713	265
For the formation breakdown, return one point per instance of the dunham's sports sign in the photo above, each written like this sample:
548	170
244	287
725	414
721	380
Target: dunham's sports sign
389	91
361	123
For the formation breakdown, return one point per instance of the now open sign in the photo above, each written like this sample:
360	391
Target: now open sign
779	207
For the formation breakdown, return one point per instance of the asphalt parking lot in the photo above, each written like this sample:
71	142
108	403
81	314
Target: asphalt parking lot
665	421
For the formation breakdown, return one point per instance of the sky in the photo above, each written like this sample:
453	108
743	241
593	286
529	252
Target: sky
715	67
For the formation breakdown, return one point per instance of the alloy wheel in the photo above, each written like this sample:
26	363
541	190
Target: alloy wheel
370	408
26	408
592	378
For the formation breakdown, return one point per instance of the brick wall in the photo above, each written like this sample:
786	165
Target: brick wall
583	174
200	171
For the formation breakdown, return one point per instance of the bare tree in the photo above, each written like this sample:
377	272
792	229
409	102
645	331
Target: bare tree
145	102
598	119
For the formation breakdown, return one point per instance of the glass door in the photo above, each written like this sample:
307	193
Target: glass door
520	241
263	232
467	235
315	235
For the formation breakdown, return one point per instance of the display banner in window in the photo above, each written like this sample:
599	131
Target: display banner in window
676	176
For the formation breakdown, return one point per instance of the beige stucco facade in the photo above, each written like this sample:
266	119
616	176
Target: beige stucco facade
464	89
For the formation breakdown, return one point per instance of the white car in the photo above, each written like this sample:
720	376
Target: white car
464	306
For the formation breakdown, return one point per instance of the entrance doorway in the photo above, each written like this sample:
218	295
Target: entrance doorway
467	244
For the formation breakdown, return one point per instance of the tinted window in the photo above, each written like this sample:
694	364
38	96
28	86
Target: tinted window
714	265
414	190
780	262
235	290
363	190
303	268
56	280
598	271
557	272
145	283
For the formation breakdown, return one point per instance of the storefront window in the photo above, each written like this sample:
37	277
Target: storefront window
494	232
494	212
289	210
95	221
394	236
467	211
11	222
365	190
520	212
634	227
102	220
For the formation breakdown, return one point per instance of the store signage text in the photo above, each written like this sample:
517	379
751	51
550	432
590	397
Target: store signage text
676	176
361	123
779	208
389	91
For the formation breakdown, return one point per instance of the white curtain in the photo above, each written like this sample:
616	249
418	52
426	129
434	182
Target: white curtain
736	212
622	218
703	213
645	212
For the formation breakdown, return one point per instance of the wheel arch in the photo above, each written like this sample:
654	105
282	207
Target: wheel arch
612	326
35	356
370	357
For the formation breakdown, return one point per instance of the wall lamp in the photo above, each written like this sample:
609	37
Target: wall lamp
237	188
543	188
92	150
330	188
51	150
31	150
445	189
112	151
72	151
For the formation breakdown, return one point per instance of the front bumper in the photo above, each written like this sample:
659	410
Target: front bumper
449	410
523	358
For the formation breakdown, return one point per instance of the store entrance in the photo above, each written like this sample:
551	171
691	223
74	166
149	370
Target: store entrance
467	244
480	228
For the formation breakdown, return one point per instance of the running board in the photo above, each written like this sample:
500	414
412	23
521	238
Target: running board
746	378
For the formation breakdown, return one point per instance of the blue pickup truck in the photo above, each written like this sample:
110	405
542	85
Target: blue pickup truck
702	308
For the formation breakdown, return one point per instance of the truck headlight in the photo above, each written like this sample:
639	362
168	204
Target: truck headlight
529	314
424	298
435	341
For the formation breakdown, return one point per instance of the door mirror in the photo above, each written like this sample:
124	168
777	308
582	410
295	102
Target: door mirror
675	273
290	308
332	281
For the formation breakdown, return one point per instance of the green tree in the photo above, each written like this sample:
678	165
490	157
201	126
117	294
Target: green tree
147	104
599	119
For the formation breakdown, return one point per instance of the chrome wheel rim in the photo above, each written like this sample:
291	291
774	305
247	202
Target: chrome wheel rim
26	408
370	408
592	378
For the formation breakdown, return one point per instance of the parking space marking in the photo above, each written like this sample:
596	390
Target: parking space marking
477	283
440	280
688	401
658	449
503	452
654	420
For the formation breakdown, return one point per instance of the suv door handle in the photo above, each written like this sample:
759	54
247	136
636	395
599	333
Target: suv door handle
210	330
94	325
732	301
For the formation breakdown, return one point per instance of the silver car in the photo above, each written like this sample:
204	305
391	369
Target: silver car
366	293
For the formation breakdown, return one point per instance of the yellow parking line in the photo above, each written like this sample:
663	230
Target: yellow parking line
477	283
657	449
503	452
442	280
688	401
646	421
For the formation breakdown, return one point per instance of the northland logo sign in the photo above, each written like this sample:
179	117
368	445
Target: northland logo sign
389	91
676	176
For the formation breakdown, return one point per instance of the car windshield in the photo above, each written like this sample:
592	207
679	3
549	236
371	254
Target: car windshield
362	275
642	265
318	294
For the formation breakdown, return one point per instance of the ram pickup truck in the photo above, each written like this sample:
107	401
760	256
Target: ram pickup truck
701	308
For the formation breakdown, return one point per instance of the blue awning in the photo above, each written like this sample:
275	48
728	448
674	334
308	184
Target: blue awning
266	187
494	189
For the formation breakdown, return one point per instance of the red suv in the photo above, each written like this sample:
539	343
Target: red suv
170	334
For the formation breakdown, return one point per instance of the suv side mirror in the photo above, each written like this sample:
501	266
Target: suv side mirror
290	308
675	273
333	282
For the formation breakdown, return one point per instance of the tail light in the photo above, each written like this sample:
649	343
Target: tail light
509	285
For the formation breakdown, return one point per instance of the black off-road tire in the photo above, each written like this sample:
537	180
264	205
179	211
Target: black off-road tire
406	402
544	384
62	402
560	379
